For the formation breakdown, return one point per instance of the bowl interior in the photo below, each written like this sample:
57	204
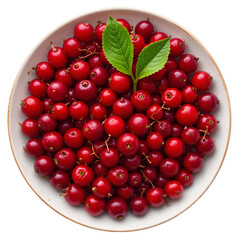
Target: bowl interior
155	216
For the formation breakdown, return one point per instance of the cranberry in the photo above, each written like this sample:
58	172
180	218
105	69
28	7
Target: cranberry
117	208
125	192
72	47
185	177
135	179
57	91
174	189
177	78
176	130
52	141
85	155
174	147
78	110
164	127
205	145
161	181
162	85
95	205
101	187
107	97
177	47
138	124
155	140
99	31
193	162
202	81
138	43
131	163
149	173
157	36
93	130
208	102
190	136
141	100
75	195
172	97
171	64
154	158
118	175
187	115
95	61
189	94
103	58
84	32
73	138
98	112
29	128
110	157
138	205
47	105
128	144
44	71
79	70
114	126
207	122
65	159
169	167
44	166
99	76
119	82
86	90
82	175
123	108
64	125
144	28
31	106
99	169
37	88
46	122
34	147
188	63
59	179
155	197
63	75
125	23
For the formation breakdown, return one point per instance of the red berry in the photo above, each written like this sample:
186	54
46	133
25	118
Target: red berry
107	97
79	70
138	43
207	102
141	100
78	110
73	138
174	189
205	145
172	97
185	177
29	128
99	76
93	130
44	166
157	36
31	106
98	112
60	111
169	167
190	136
109	157
174	147
155	112
59	179
34	147
177	78
125	192
65	159
114	126
188	63
75	195
46	122
44	71
207	122
128	144
131	163
155	140
57	91
155	197
99	31
84	32
187	115
138	124
52	141
95	205
37	88
85	155
118	175
189	94
125	23
164	127
117	208
138	205
56	57
101	187
144	28
86	90
177	47
82	175
202	81
119	82
72	47
193	162
123	108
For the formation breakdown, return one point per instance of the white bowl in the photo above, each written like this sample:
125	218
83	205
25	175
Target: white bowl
155	216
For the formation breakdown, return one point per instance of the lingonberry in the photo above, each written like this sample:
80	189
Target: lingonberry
79	70
86	90
157	36
177	78
171	64
161	181
117	208
172	97
147	85
65	159
57	91
207	122
99	146
164	127
110	157
185	177
93	47
176	130
144	28
143	188
202	81
135	179
73	138
44	71
177	47
156	99
169	115
82	175
205	145
60	111
155	197
125	192
99	76
174	189
114	126
190	135
155	112
98	112
119	82
52	141
46	122
47	105
29	127
44	166
154	158
189	94
85	155
34	147
95	61
188	63
59	179
74	194
99	169
193	162
123	108
125	23
138	43
107	97
31	106
72	47
138	124
143	149
63	75
93	130
131	163
155	140
207	102
95	205
162	85
101	187
174	147
187	115
138	205
64	125
99	31
141	100
37	88
78	110
84	32
118	175
169	167
149	174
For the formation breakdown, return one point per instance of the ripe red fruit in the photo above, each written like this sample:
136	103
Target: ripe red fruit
56	57
79	70
44	166
193	162
114	126
93	130
190	135
34	147
138	205
202	81
174	189
172	97
84	32
155	112
177	47
118	175
205	145
52	141
44	71
101	187
85	155
188	63
74	194
187	115
207	102
107	97
122	108
138	43
154	140
86	90
109	157
59	179
31	106
207	122
128	144
73	138
72	47
141	100
29	128
57	91
119	82
155	197
98	112
138	124
78	110
169	167
99	76
117	208
37	88
174	147
157	36
95	205
65	159
144	28
82	175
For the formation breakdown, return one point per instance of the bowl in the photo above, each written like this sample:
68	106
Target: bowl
154	216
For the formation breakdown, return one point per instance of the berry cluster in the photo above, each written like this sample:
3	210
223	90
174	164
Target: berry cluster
106	146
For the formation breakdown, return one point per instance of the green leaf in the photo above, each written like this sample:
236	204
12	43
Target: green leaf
118	47
152	58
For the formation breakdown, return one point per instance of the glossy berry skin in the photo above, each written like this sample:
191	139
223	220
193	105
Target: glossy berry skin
100	170
155	112
155	158
72	47
59	179
122	108
147	84
82	175
190	135
144	28
155	140
78	110
95	61
63	75
85	155
99	31
174	147
85	90
187	115
99	76
93	130
189	94
131	163
155	197
117	208
202	81
109	157
60	111
52	141
138	124
29	128
171	64
73	138
193	162
47	105
32	107
114	126
141	100
75	195
64	125
101	187
188	63
185	177
149	174
176	130
44	166
57	91
138	206
177	78
79	70
44	71
118	175
207	102
57	58
107	97
84	32
161	181
207	122
128	144
177	47
95	205
98	112
169	167
172	97
164	127
37	88
157	36
34	147
125	23
65	159
135	179
174	189
205	145
138	43
119	82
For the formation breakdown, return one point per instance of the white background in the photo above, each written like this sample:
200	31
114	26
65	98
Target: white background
215	23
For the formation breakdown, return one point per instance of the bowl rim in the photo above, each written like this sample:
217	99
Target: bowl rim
130	10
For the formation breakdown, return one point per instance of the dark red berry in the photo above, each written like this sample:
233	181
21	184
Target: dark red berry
73	138
57	91
101	187
205	145
65	159
46	122
79	70
44	166
44	71
174	189
188	63
155	197
174	147
128	144
59	179
52	141
193	162
177	47
110	157
31	106
95	205
144	28
118	175
72	47
169	167
75	195
99	76
117	208
138	205
29	128
93	130
82	175
85	155
86	90
34	147
37	88
172	97
207	102
114	126
187	115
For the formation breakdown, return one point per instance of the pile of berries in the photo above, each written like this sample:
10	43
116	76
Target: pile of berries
110	148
